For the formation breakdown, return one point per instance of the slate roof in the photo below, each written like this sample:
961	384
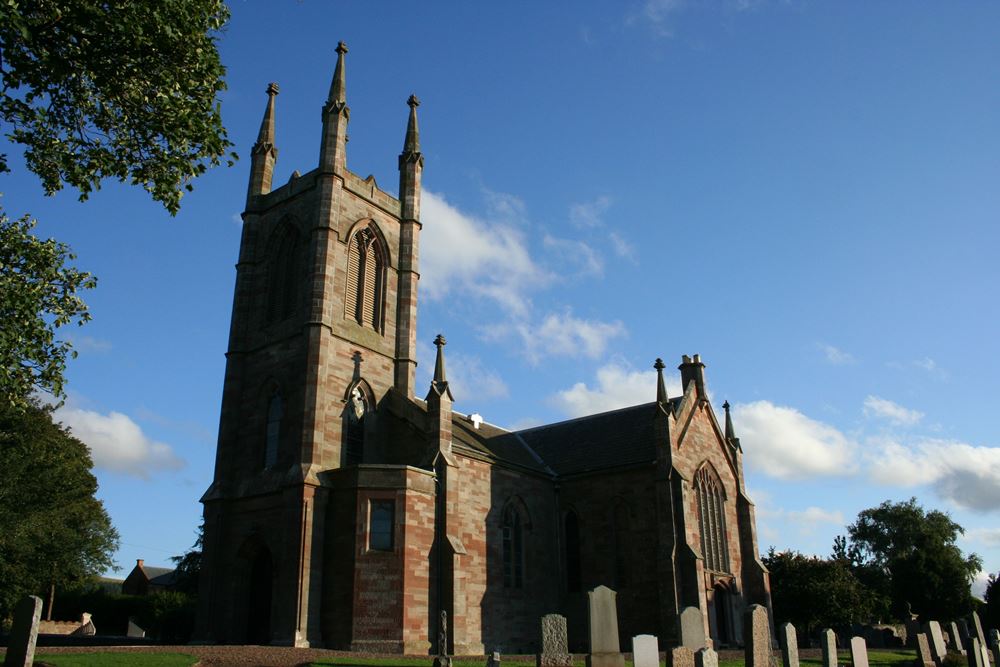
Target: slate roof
595	442
160	576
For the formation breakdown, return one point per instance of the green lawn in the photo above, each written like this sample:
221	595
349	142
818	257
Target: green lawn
116	659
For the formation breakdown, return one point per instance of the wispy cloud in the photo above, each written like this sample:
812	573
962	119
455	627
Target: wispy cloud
117	443
89	343
893	412
561	334
576	257
589	214
623	248
616	385
835	355
782	442
656	15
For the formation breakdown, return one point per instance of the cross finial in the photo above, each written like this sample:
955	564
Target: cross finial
341	48
413	101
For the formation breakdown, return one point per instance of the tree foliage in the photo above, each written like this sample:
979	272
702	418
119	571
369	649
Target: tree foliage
991	612
126	90
911	555
38	294
814	593
53	530
188	565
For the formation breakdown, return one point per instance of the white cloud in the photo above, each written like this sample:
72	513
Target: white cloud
893	412
577	256
588	214
813	515
117	443
471	381
966	475
979	584
988	536
623	248
655	14
461	253
89	344
617	386
836	356
782	442
560	335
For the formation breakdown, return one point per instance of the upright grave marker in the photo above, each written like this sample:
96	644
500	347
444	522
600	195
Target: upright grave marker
859	652
957	637
925	657
605	649
977	626
828	642
756	637
554	643
789	645
692	628
645	651
23	633
680	656
975	655
706	657
933	629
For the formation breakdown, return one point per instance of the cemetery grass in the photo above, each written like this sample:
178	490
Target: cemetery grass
115	659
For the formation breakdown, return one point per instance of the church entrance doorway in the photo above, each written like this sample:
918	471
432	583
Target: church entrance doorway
719	616
259	603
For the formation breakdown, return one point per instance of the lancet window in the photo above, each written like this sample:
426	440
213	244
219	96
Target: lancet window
282	271
513	548
712	519
365	278
275	411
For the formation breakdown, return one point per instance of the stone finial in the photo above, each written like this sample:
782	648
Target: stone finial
661	388
265	137
411	144
439	375
338	87
730	431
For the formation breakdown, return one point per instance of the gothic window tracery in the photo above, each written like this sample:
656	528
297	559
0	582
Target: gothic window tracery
712	519
365	277
281	303
513	548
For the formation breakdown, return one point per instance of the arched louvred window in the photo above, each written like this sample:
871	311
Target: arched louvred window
275	411
573	570
365	277
620	529
512	543
712	519
282	274
354	426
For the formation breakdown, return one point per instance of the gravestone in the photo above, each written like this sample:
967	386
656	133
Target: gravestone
924	656
789	645
975	656
692	628
23	633
756	637
963	631
706	657
554	642
912	630
645	651
977	626
86	628
681	656
958	638
134	630
994	637
859	652
605	649
985	655
828	642
493	659
442	659
933	629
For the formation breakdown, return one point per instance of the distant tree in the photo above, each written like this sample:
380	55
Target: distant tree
189	565
39	292
992	599
53	530
814	593
914	551
97	89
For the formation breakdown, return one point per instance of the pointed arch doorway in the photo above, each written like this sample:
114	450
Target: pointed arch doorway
720	616
259	602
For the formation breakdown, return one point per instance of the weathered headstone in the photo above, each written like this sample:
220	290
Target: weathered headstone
681	656
859	652
493	659
975	656
442	659
645	651
756	637
789	645
925	657
828	642
994	637
977	626
86	628
23	633
985	655
134	630
554	643
692	628
958	639
933	629
706	657
605	649
963	631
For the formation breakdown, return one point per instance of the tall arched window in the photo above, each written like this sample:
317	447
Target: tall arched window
365	275
513	548
274	413
573	574
282	270
712	519
620	529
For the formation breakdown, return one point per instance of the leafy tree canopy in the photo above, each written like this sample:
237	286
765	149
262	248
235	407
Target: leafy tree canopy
126	90
913	553
188	565
38	293
53	530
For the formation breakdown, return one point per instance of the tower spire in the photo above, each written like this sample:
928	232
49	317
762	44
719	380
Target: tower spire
661	388
730	431
411	167
264	153
439	374
412	143
336	114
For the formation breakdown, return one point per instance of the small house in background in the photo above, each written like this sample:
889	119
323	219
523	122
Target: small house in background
146	579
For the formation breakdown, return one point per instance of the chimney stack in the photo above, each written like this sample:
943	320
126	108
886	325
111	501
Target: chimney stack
692	370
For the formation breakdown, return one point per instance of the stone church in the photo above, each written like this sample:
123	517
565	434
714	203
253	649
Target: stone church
350	507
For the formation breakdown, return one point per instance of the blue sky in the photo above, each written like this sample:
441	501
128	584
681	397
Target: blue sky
804	193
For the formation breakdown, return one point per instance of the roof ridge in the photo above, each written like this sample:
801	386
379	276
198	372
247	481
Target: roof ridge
590	416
